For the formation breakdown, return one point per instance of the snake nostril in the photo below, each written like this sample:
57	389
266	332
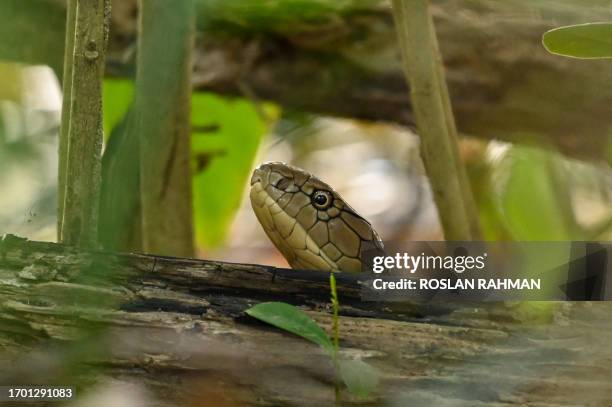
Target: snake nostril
283	184
256	177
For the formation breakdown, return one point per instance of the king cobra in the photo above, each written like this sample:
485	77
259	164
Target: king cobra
309	223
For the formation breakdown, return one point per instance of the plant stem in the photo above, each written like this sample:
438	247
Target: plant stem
81	144
468	196
335	335
162	109
435	122
66	103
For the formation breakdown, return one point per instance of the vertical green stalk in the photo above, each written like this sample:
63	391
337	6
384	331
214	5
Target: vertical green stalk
162	122
435	122
468	196
66	102
335	335
81	144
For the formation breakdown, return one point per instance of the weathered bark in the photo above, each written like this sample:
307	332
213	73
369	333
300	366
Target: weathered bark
344	61
178	328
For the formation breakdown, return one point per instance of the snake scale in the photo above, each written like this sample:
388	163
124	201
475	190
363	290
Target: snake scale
309	223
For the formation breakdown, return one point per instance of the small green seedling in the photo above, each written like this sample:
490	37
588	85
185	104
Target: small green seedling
359	377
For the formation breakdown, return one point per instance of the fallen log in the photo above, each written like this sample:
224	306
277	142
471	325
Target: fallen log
176	330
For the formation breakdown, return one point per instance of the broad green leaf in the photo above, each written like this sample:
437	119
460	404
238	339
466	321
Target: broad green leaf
117	95
226	136
291	319
360	378
533	207
592	40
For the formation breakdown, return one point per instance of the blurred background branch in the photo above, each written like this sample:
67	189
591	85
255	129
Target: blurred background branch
349	51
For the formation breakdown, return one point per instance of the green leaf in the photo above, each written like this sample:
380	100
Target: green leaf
360	378
592	40
532	206
291	319
117	95
226	136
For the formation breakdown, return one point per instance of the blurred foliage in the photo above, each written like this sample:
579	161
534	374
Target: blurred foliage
27	152
529	194
32	31
226	137
360	378
489	211
534	208
275	15
226	134
10	80
117	98
591	40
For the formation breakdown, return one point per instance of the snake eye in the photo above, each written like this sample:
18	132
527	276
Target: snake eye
322	199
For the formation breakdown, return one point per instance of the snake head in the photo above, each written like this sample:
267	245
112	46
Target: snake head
309	223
